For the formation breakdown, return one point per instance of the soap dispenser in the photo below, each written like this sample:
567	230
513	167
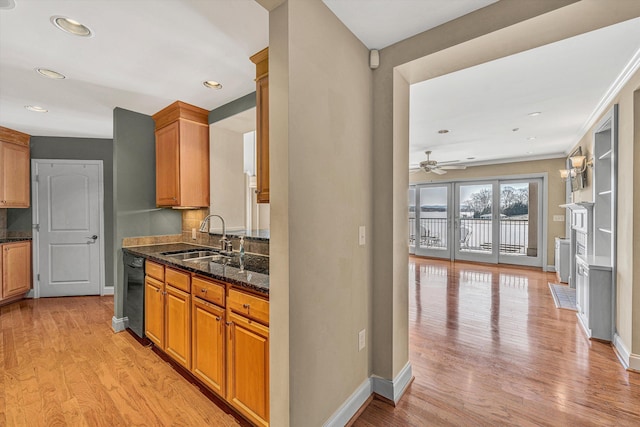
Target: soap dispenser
241	253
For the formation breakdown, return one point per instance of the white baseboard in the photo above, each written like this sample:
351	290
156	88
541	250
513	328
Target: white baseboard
349	408
108	290
119	324
621	351
634	362
551	268
391	390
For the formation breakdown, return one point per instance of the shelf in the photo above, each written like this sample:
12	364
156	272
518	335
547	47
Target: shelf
605	230
604	193
605	155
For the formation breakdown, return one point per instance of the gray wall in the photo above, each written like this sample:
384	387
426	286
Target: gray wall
44	147
134	184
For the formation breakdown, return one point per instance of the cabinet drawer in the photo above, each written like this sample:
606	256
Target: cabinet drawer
249	305
178	279
208	290
154	270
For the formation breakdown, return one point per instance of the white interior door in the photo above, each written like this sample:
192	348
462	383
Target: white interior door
69	226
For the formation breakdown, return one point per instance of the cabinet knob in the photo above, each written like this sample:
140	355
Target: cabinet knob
217	318
257	191
157	290
204	291
245	306
228	323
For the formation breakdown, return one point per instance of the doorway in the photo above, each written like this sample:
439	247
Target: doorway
68	251
492	221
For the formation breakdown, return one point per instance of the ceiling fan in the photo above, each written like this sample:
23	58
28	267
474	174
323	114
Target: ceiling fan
438	167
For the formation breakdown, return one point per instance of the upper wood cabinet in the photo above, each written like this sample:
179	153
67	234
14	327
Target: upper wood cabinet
261	59
14	169
182	156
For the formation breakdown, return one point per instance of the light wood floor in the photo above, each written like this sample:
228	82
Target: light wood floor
488	347
62	365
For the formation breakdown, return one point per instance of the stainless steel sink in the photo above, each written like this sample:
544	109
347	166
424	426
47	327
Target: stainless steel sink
185	256
212	258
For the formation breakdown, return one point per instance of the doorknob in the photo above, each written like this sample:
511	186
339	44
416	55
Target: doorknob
94	237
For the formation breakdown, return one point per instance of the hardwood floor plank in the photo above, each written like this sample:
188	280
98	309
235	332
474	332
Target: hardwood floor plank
488	347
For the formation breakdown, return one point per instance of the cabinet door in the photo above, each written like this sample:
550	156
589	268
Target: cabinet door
208	344
177	325
154	310
248	368
262	139
14	176
16	269
167	165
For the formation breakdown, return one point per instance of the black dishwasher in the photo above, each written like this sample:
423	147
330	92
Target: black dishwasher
134	292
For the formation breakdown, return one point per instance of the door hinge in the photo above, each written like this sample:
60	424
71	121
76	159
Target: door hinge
37	178
38	277
36	227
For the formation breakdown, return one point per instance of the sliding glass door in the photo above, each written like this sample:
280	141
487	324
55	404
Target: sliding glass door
432	228
497	221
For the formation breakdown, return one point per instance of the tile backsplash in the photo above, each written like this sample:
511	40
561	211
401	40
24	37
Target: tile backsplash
3	223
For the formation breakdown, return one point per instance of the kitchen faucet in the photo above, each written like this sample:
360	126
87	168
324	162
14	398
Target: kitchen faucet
225	244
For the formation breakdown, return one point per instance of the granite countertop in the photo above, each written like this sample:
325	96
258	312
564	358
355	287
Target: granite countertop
251	234
14	239
254	280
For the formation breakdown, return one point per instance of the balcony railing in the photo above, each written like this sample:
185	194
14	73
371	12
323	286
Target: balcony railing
476	234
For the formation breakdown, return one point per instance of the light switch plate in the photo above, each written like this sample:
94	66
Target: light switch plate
362	337
361	235
558	218
193	234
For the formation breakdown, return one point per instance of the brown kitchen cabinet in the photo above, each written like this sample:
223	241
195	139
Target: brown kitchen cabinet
182	156
168	312
248	356
208	344
14	169
15	273
261	59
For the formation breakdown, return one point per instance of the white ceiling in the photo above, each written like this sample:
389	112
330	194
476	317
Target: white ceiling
147	53
380	23
565	81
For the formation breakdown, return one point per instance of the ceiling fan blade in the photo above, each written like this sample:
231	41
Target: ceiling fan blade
448	161
453	167
438	171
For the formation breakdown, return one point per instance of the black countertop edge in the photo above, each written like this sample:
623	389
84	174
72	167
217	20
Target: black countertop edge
250	280
15	239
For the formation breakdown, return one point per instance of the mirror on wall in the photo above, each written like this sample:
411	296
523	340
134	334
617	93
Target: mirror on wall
232	173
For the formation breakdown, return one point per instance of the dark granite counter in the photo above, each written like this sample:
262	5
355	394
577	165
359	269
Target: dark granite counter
251	234
256	278
14	239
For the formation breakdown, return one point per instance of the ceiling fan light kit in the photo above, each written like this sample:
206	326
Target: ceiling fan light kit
440	169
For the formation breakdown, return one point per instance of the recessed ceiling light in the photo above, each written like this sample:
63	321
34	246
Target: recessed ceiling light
211	84
7	4
71	26
531	138
515	129
50	73
535	113
443	131
36	108
529	152
470	158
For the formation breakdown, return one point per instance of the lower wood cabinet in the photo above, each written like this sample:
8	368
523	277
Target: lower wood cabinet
248	368
220	334
15	273
208	344
177	325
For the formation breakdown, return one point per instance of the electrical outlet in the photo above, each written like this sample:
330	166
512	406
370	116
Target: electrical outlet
558	218
193	234
362	339
361	235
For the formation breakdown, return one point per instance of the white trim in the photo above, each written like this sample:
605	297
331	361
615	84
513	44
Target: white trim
393	390
108	290
622	352
35	220
615	88
351	406
634	362
550	268
119	324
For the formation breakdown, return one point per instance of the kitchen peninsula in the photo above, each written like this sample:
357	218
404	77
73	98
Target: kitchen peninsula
211	318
